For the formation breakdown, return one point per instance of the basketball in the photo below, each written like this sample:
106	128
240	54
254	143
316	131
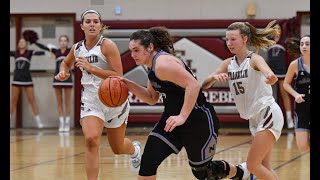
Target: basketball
113	92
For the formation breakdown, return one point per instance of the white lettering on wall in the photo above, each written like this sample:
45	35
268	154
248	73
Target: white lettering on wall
212	96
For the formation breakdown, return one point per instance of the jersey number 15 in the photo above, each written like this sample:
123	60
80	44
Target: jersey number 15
238	88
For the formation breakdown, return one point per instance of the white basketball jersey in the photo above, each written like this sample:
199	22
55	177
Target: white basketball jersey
250	91
91	82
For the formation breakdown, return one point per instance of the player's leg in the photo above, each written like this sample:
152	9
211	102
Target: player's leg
15	93
302	127
119	144
155	151
201	146
35	108
261	145
267	162
92	127
286	103
58	92
116	128
302	140
67	105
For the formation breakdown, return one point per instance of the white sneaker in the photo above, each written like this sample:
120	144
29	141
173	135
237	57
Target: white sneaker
67	125
61	127
135	162
246	174
39	124
290	124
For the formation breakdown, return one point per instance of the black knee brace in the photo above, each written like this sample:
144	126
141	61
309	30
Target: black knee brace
213	170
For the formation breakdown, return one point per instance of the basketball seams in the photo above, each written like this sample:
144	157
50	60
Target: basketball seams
114	98
120	90
110	92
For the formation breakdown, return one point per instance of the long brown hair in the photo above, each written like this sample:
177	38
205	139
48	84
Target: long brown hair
257	38
158	36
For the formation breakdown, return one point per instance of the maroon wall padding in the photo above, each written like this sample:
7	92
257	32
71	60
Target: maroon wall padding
154	118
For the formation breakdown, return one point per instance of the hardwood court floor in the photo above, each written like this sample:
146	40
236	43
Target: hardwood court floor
48	155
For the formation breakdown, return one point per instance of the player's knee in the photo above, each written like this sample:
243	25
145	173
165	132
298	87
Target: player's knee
304	148
252	166
147	170
212	170
92	142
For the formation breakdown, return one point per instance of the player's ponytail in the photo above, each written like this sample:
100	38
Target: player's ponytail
162	39
257	38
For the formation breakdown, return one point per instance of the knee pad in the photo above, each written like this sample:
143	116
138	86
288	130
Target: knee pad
220	169
213	170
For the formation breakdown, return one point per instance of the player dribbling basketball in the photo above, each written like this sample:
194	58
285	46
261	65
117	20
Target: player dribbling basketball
98	58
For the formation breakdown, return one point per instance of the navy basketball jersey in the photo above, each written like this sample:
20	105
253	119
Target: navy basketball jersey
302	85
172	94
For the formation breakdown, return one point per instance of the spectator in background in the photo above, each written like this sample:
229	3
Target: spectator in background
62	88
22	75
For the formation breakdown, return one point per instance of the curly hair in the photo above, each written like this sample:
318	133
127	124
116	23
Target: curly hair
293	45
158	36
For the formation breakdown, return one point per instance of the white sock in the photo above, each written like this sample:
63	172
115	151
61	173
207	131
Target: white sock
68	119
136	151
61	119
288	115
37	118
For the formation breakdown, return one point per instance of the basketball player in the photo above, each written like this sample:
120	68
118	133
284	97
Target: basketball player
22	78
98	58
299	70
276	61
188	120
61	87
250	80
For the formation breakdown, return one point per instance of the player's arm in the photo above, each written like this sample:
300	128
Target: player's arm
66	65
38	53
258	63
219	75
291	72
110	50
148	95
42	46
168	69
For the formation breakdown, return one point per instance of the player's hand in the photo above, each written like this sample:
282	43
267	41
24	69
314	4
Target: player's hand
299	98
220	78
271	79
83	63
174	121
62	76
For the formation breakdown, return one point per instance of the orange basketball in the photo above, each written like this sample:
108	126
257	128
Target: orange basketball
113	92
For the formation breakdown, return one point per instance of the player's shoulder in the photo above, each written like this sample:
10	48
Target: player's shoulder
294	62
105	41
255	56
77	45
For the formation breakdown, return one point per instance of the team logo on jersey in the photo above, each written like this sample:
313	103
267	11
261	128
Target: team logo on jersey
301	73
92	59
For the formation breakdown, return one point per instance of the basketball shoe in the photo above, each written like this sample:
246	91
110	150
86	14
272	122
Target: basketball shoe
136	160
